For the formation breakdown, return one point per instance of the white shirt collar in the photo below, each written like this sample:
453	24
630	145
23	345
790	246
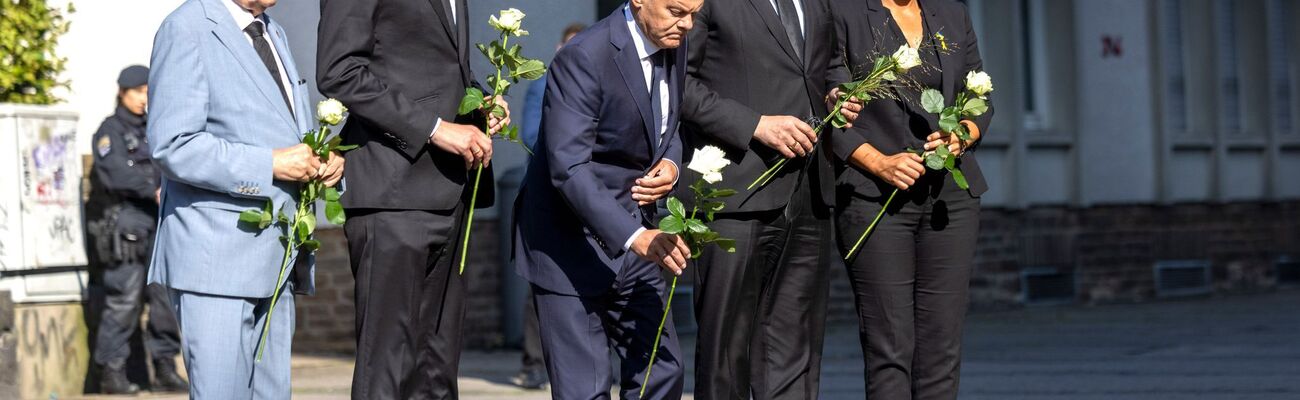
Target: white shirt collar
242	17
644	48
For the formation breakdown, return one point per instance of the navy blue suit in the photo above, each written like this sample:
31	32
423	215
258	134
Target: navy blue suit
575	212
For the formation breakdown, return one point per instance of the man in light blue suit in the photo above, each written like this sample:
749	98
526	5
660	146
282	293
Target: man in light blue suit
228	110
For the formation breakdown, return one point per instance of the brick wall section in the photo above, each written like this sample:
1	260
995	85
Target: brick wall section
1111	249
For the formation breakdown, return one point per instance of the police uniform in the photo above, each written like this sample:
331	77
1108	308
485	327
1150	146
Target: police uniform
122	217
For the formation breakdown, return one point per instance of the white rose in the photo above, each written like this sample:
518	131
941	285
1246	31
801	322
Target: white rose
330	111
709	161
907	58
509	21
979	82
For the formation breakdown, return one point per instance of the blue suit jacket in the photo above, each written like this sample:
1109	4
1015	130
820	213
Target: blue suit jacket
575	209
215	116
531	124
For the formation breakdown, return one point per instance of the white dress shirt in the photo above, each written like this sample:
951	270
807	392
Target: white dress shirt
438	122
243	18
645	49
798	9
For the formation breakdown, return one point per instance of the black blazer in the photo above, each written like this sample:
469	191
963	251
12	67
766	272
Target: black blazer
398	66
575	210
885	123
743	67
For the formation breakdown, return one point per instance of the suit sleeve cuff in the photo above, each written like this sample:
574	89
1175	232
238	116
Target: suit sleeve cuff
628	245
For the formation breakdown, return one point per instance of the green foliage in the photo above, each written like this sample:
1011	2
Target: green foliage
692	228
29	34
503	57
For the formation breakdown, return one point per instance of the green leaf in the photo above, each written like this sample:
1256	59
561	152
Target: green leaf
932	101
962	133
311	245
839	121
334	212
473	100
942	151
949	162
722	193
672	224
310	140
344	148
267	217
934	161
306	226
728	245
959	178
676	207
846	88
695	226
975	107
251	216
948	121
530	70
705	237
332	194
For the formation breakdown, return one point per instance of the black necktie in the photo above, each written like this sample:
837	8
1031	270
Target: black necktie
657	74
255	30
790	20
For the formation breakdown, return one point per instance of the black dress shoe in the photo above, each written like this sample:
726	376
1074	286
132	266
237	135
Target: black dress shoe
165	377
113	381
531	379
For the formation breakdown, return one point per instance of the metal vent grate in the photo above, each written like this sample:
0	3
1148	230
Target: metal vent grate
684	310
1046	286
1288	271
1183	278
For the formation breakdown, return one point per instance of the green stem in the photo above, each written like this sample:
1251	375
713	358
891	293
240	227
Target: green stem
469	221
872	226
473	198
291	236
655	350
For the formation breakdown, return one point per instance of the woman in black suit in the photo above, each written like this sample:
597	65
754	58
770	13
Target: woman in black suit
911	276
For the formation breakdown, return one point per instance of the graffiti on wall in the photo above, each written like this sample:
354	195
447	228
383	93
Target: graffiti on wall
52	350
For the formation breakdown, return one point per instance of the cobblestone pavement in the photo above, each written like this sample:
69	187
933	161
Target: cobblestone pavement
1233	347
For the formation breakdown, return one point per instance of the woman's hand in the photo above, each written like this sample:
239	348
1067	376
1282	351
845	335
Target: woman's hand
955	145
901	170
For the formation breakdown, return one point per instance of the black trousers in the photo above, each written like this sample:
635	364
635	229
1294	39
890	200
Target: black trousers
580	332
911	282
761	311
125	293
410	302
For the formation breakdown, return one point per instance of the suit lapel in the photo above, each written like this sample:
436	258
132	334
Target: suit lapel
947	62
301	108
773	23
445	19
629	65
235	41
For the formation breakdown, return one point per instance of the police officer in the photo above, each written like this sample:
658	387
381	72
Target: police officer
122	216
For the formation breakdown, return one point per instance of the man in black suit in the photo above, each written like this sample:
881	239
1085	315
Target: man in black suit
402	67
761	69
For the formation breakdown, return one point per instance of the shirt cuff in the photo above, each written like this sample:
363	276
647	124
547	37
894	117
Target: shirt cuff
628	244
436	124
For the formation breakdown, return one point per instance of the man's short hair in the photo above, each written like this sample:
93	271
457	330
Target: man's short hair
571	30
